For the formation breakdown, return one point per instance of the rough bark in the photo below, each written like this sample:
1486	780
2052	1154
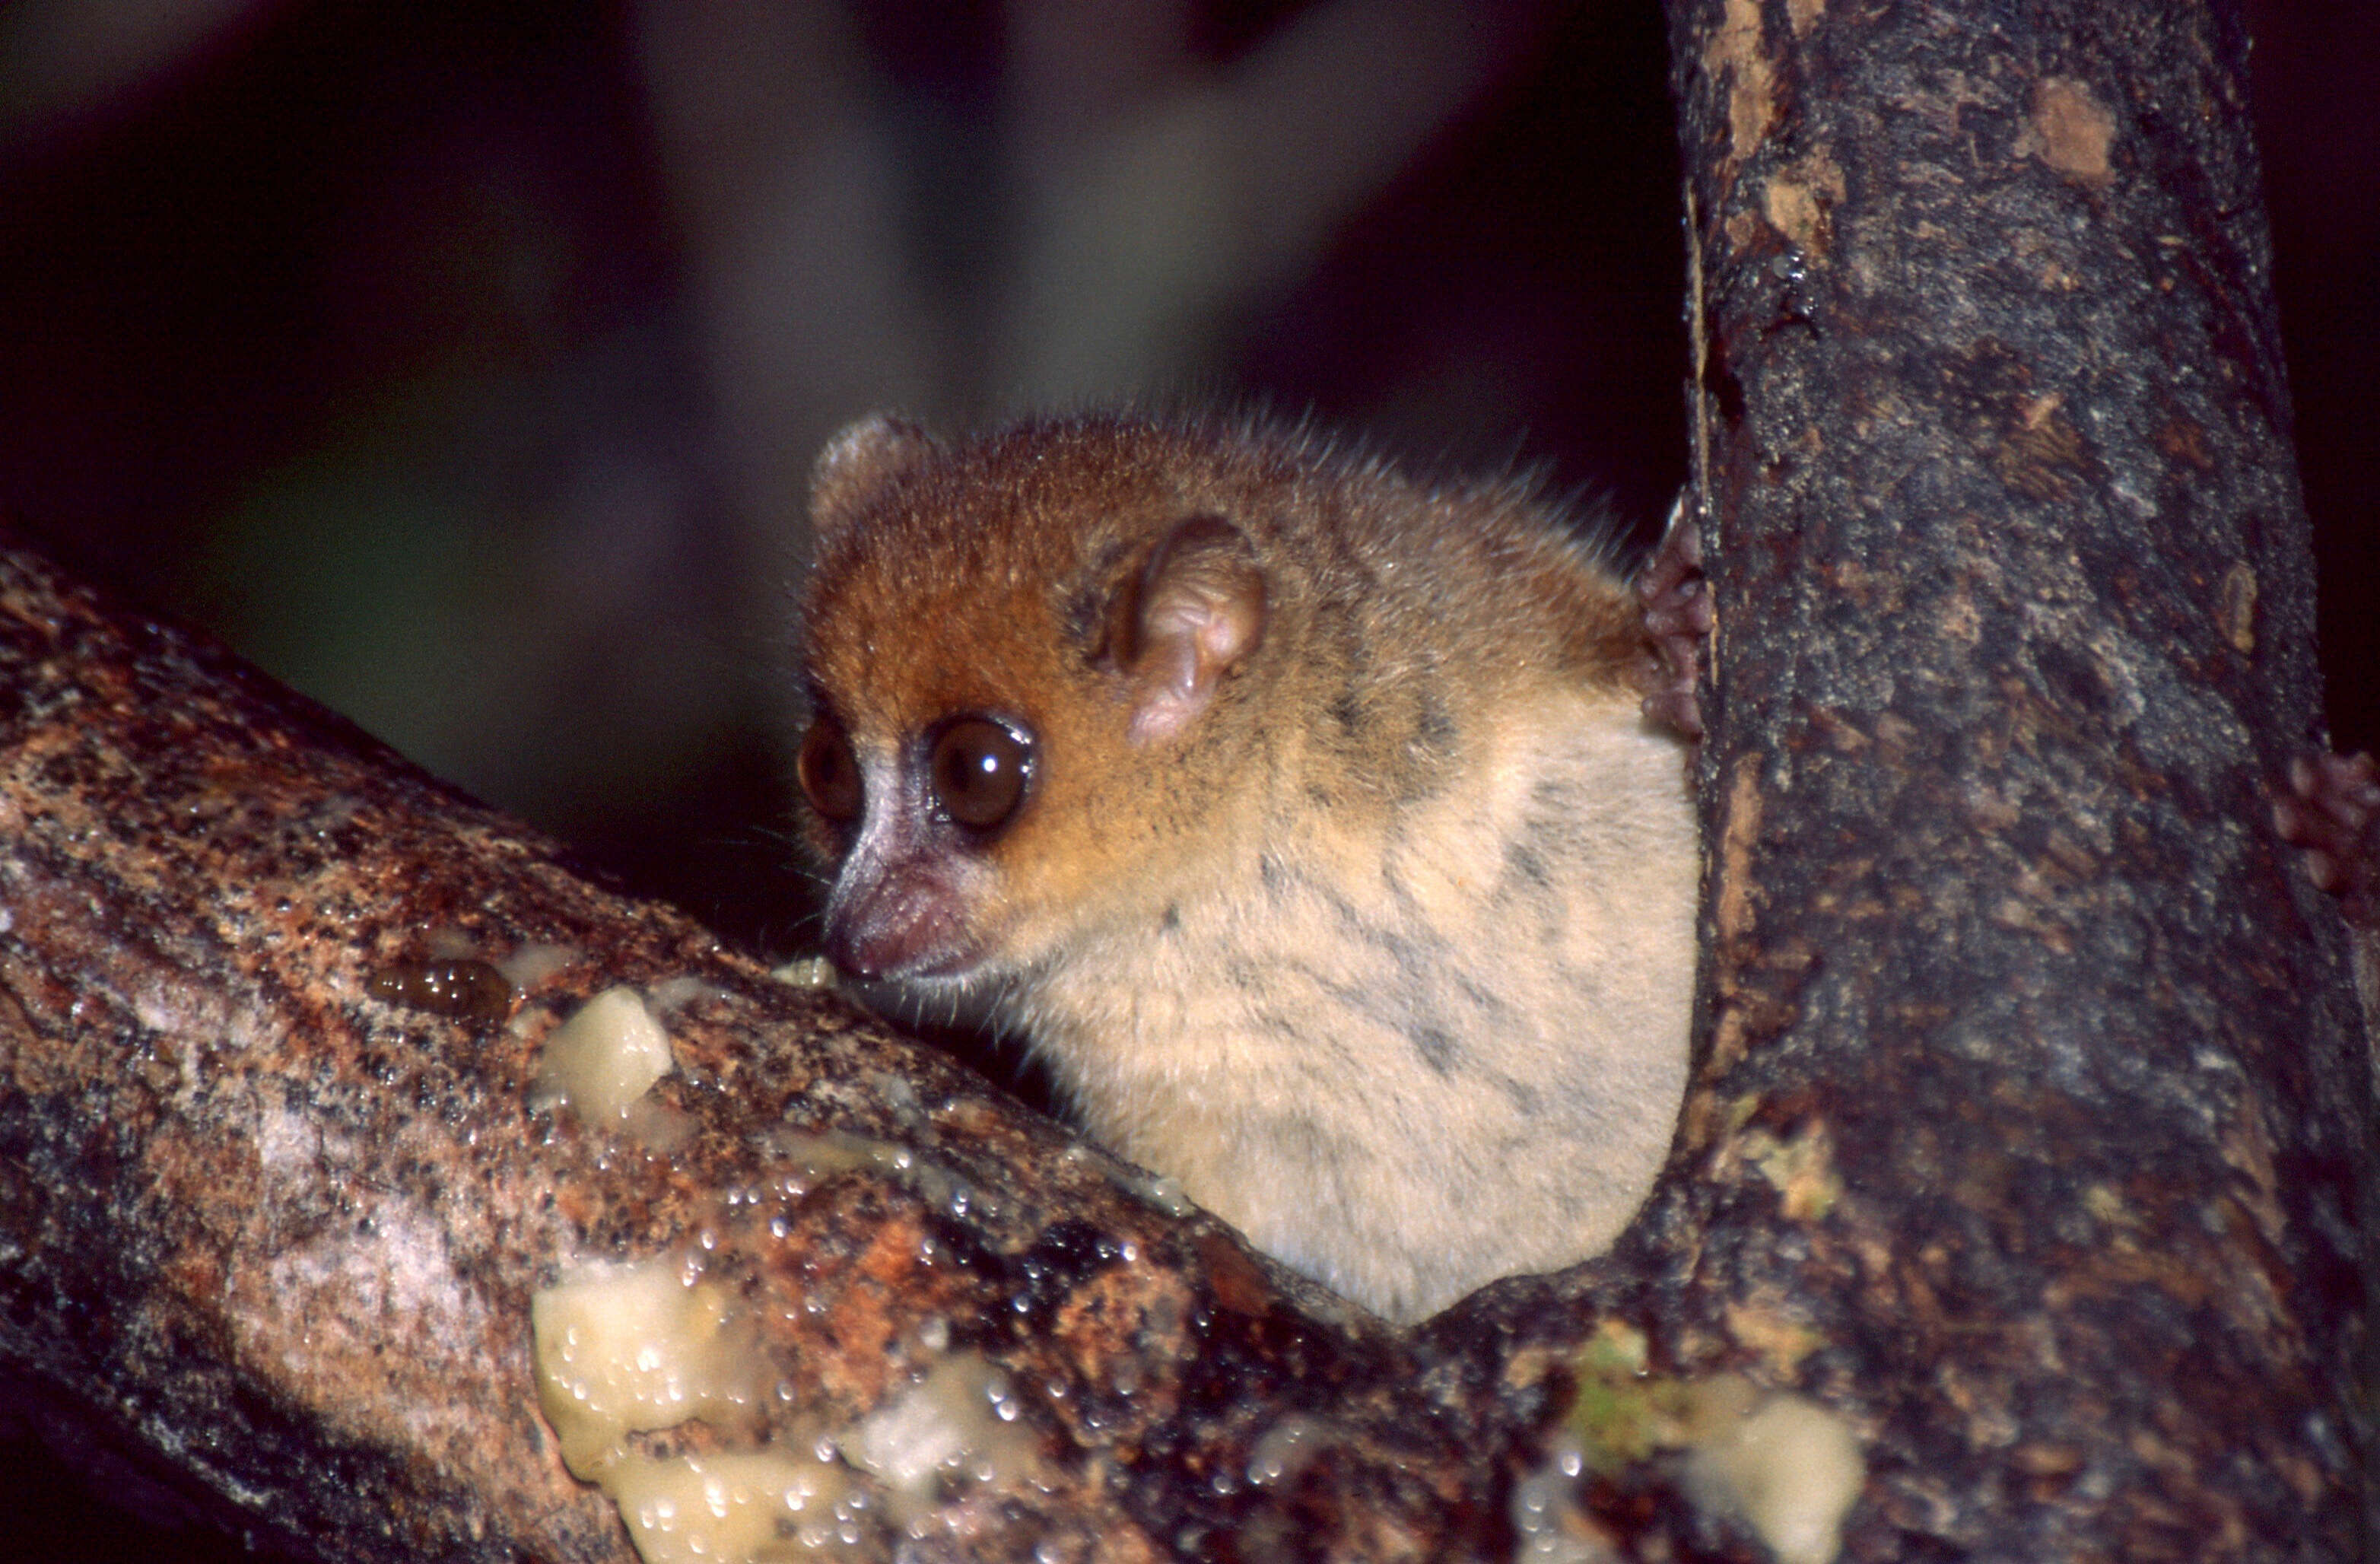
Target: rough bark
2021	1019
268	1239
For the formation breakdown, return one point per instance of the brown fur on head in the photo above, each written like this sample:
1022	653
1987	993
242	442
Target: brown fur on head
1182	620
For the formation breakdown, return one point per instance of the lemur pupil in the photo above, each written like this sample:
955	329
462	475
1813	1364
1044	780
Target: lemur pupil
980	770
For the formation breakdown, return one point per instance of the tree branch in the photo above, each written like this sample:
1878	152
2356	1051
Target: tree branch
271	1237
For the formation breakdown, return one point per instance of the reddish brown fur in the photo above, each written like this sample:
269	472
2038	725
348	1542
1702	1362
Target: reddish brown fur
948	583
1385	948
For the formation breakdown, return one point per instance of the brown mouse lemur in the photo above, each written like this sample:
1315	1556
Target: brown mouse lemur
1302	817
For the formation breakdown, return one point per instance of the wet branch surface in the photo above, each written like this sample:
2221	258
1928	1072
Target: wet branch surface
271	1239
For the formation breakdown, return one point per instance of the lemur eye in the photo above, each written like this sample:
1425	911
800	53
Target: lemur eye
829	770
980	770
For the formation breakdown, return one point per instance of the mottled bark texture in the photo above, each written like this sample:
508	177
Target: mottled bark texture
2031	1036
268	1239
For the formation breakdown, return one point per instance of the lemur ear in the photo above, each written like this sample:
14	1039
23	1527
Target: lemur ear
1200	612
861	459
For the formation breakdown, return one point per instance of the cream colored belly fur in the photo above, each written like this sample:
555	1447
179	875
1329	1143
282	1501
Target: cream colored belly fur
1409	1064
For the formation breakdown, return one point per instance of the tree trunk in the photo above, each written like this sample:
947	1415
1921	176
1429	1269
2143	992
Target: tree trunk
2021	1022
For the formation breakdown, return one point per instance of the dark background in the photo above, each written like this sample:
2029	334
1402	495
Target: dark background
460	363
